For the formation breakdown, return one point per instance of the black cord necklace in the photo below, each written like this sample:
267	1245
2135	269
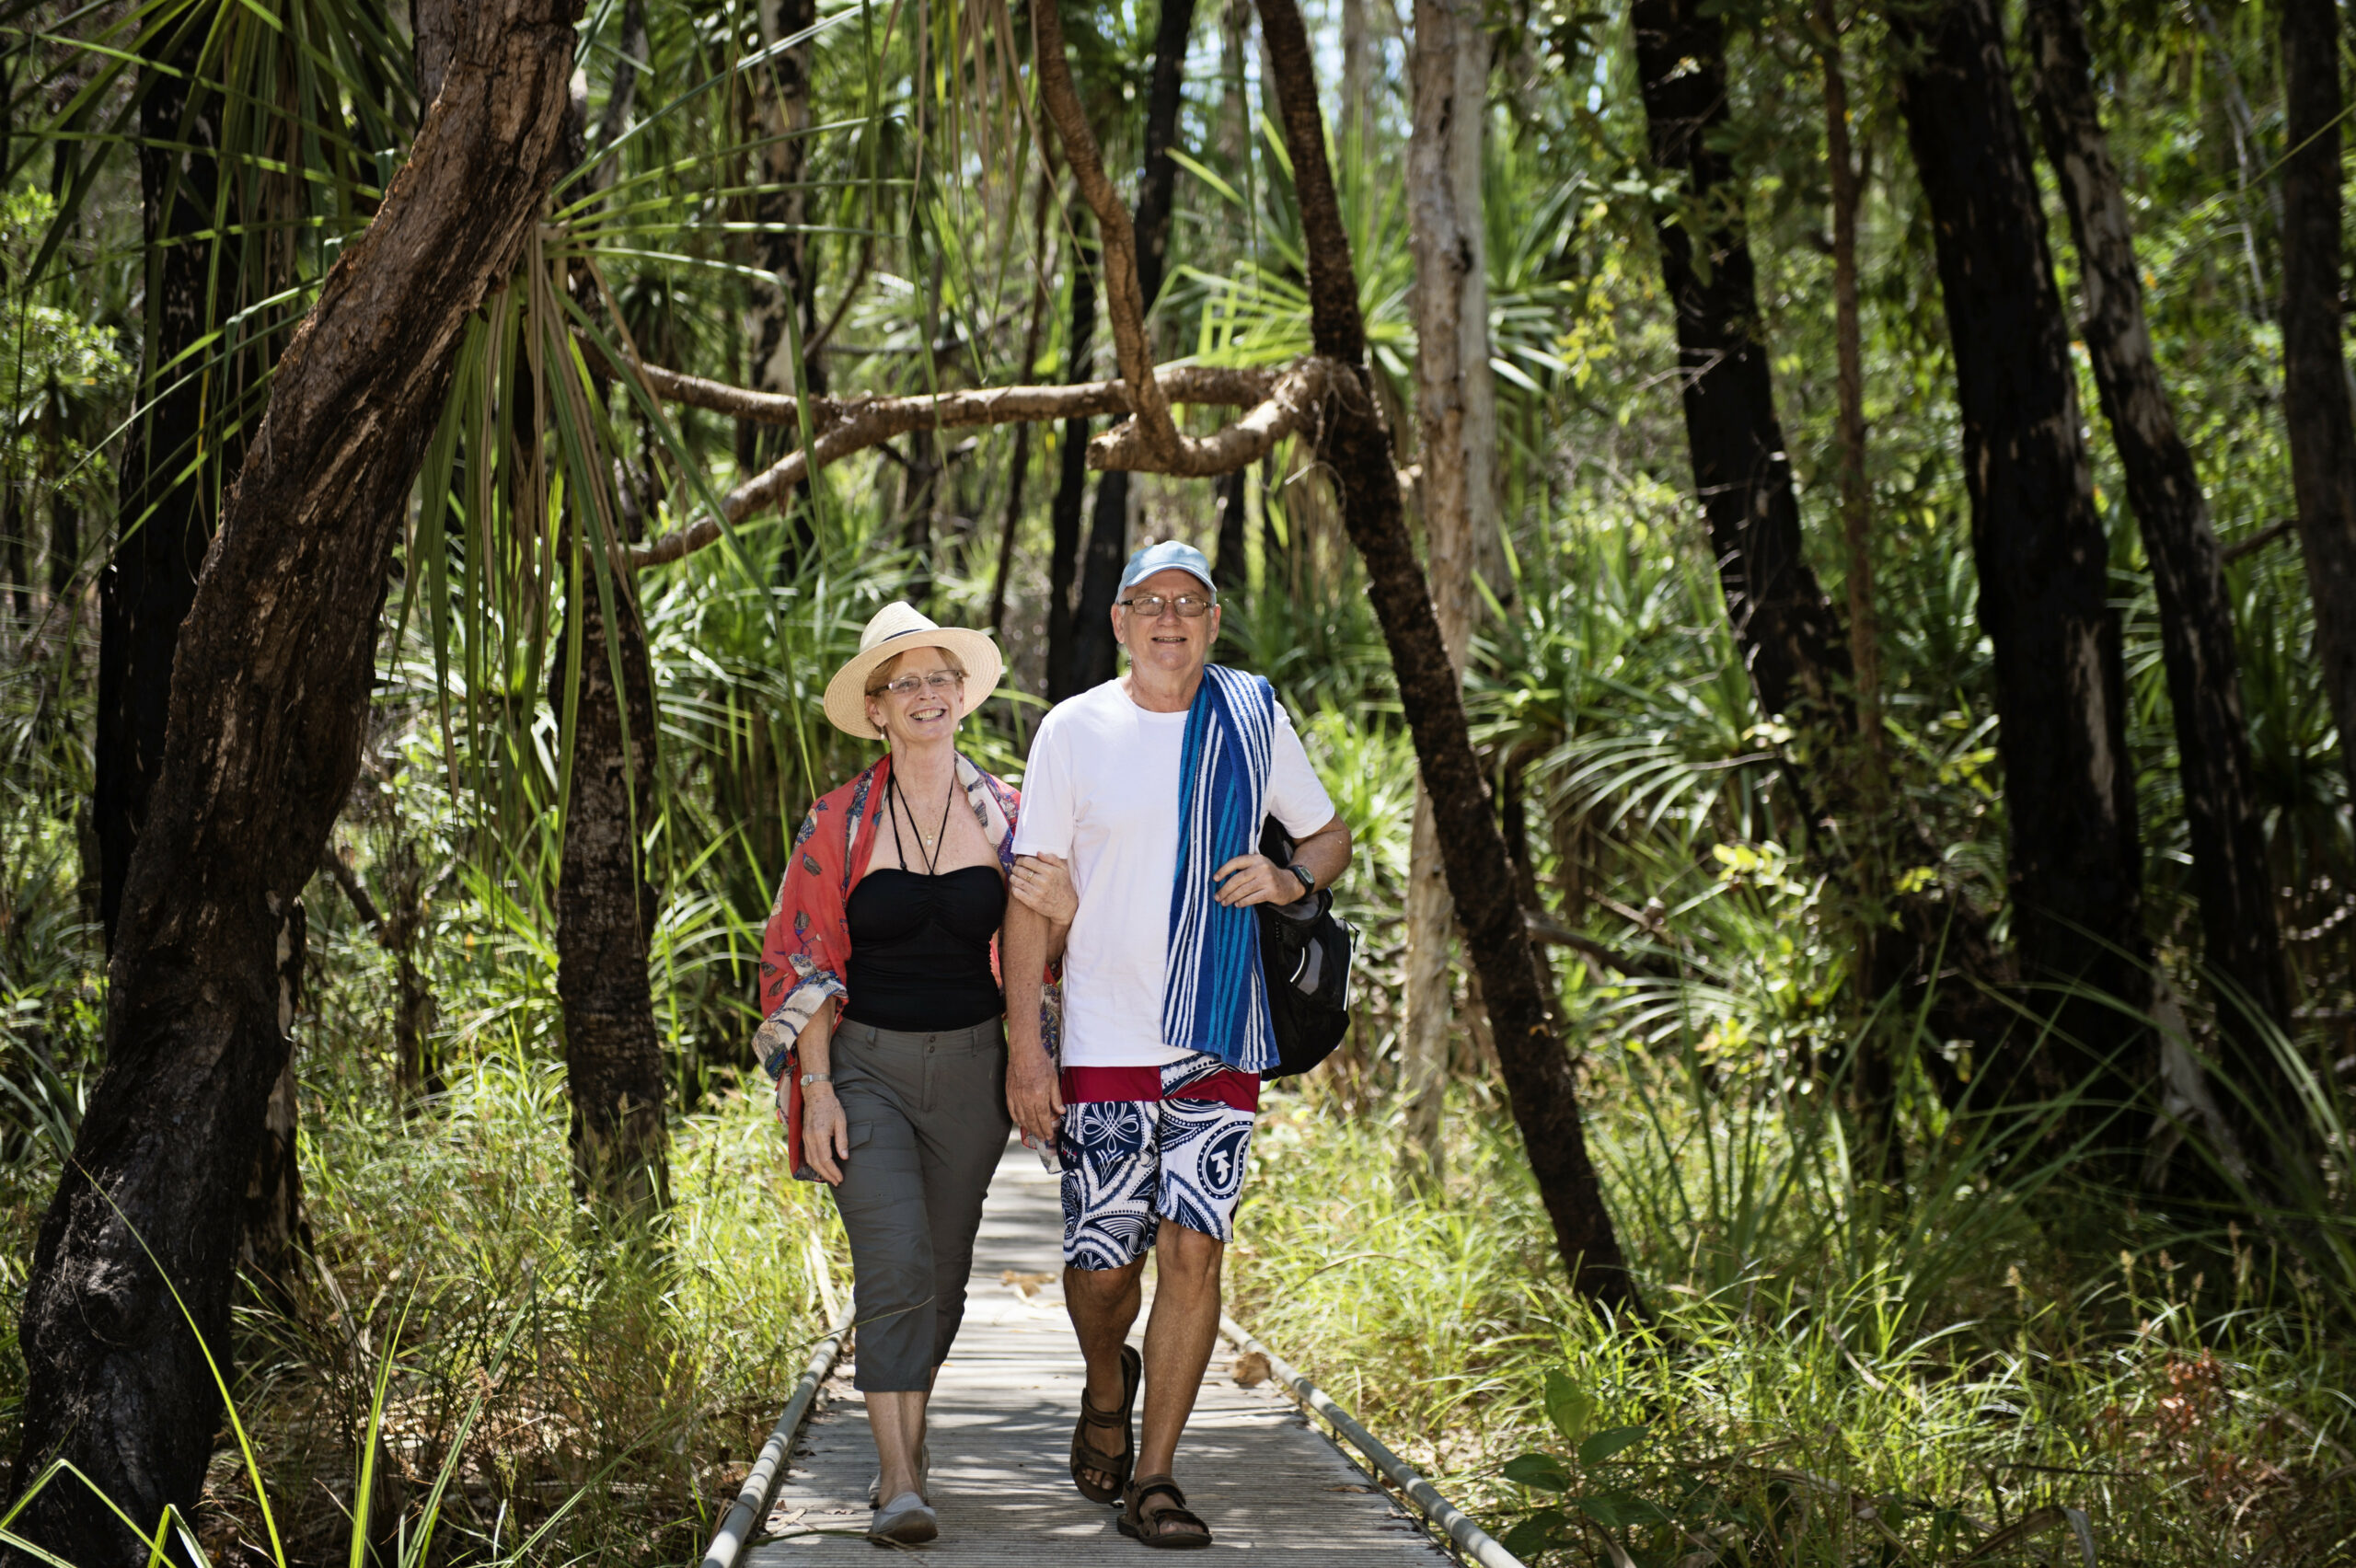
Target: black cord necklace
938	843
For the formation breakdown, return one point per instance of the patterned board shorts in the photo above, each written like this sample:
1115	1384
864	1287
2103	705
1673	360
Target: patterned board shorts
1130	1164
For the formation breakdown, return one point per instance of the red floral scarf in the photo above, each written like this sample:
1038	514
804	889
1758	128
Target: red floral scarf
806	951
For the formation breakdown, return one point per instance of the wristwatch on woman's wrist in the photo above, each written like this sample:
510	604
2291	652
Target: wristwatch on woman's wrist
809	1078
1308	883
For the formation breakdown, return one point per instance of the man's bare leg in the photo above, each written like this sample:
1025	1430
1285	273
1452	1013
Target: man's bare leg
1179	1338
1103	1305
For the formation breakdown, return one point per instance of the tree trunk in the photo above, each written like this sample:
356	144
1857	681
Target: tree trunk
782	251
919	503
64	554
418	1066
1071	488
1108	538
605	907
1456	411
1231	569
2076	871
1782	622
269	705
1873	1079
274	1231
416	1070
165	520
14	520
1357	79
1019	465
2316	414
1234	101
2238	921
1537	1071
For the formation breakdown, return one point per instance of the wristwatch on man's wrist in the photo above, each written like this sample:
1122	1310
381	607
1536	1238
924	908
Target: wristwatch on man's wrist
809	1078
1308	883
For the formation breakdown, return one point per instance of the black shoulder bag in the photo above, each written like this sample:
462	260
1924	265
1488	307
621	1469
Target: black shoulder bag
1305	954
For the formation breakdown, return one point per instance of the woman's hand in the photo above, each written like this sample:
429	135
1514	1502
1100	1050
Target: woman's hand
826	1137
1044	883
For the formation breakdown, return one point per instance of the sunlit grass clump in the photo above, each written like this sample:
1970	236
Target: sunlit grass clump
588	1394
1843	1380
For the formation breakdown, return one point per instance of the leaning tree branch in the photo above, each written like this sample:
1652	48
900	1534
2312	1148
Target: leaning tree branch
1280	403
1541	1085
1115	232
1151	442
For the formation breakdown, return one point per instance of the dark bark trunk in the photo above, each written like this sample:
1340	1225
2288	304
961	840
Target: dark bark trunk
274	1232
269	706
1018	469
2076	871
605	908
2316	415
1879	1155
1072	487
1784	624
1229	565
1537	1070
20	582
1108	535
2238	921
919	500
65	551
1801	663
165	520
1018	466
781	251
416	1070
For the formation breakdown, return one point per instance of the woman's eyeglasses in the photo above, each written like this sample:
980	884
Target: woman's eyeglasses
908	685
1193	607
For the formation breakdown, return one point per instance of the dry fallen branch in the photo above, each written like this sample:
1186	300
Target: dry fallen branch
843	426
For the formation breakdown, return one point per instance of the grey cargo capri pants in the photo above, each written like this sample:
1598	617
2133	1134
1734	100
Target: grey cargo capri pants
926	1118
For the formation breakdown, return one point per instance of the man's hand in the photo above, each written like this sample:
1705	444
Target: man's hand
1256	879
825	1136
1033	1097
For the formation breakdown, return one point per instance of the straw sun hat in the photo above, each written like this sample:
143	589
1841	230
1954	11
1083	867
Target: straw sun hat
896	629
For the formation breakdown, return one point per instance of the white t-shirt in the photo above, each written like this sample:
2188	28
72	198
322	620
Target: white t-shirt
1102	791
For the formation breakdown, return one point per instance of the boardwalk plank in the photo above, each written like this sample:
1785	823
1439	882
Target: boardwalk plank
1000	1425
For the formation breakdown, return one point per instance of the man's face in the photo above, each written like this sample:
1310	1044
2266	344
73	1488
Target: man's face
1169	641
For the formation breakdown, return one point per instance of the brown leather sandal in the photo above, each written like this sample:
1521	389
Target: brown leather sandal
1153	1530
1087	1456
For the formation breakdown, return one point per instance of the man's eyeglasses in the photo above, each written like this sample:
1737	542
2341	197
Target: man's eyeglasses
908	685
1193	607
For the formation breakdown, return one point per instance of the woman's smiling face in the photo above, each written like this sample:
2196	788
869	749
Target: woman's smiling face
929	713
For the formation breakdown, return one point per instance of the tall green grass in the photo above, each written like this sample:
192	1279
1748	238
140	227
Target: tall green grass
1828	1376
494	1379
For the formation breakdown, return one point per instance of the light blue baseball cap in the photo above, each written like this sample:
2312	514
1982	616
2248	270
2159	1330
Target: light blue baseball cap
1163	555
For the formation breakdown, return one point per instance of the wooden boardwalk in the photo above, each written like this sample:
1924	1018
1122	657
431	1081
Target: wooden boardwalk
1000	1431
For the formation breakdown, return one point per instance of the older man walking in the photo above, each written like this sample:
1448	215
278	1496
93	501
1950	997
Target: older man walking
1153	787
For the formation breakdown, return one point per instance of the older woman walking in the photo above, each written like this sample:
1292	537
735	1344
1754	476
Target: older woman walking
885	1026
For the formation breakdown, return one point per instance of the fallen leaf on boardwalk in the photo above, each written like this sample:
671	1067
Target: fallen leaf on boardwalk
1024	1283
1250	1369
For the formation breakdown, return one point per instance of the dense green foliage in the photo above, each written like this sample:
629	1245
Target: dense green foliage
1952	1357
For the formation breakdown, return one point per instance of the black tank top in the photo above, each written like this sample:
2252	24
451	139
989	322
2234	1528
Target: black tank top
921	948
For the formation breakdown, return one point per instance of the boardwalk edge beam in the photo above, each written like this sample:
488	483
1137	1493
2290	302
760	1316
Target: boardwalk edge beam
1475	1544
744	1518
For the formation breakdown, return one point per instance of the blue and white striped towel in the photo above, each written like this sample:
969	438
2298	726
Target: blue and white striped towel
1213	998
